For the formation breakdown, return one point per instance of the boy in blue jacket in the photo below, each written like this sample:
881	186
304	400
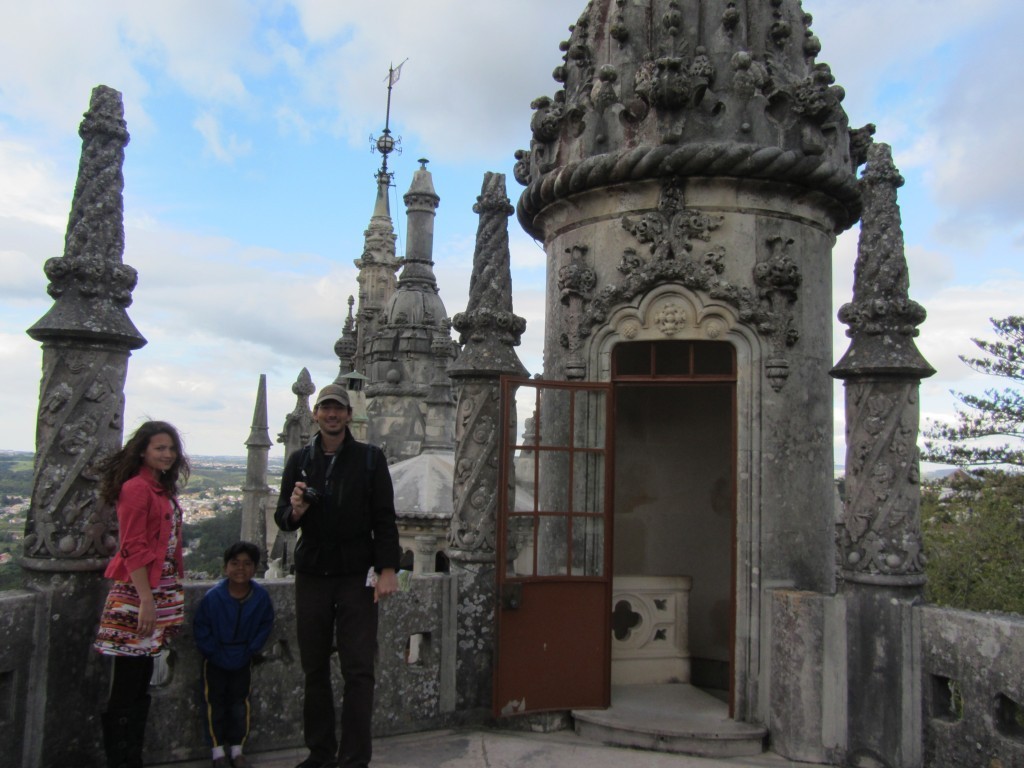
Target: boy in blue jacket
232	623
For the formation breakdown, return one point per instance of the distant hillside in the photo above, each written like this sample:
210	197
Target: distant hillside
207	472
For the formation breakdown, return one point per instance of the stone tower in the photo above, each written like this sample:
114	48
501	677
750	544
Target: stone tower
377	269
688	180
256	495
410	404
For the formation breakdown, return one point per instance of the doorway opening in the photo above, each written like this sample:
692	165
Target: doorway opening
674	518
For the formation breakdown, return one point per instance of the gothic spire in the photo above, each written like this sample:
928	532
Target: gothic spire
489	329
882	318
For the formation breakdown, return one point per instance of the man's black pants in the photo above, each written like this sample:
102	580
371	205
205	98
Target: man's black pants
337	611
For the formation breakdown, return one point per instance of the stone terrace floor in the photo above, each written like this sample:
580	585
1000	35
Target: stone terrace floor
510	749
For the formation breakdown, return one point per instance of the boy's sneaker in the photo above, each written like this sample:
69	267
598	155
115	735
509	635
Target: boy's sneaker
221	762
239	761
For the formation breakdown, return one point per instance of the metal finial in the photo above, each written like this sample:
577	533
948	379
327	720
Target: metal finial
386	143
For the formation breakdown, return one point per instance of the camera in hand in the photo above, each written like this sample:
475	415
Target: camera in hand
311	495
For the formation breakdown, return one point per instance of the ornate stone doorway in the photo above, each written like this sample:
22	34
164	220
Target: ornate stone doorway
674	516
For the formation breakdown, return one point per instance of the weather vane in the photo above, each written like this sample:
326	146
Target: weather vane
386	143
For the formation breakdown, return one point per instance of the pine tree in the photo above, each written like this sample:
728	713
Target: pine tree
997	413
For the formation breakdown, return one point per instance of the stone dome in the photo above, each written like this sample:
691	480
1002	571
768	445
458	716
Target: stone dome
419	305
691	88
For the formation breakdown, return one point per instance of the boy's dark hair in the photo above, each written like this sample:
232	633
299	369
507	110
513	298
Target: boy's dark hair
242	548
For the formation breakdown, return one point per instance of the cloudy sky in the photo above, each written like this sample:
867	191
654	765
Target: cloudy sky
249	176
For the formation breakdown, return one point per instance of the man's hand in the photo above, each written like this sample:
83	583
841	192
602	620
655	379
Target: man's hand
299	506
387	584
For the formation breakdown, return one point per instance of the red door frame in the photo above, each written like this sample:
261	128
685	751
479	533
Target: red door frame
553	644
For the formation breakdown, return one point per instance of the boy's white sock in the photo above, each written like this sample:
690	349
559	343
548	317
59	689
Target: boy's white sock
218	751
236	750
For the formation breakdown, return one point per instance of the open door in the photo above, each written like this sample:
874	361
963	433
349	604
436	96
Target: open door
554	548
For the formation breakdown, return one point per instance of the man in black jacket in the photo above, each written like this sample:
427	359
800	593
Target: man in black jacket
338	492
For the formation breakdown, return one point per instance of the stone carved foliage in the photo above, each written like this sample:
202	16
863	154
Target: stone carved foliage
576	283
777	278
472	535
80	423
654	90
880	538
675	246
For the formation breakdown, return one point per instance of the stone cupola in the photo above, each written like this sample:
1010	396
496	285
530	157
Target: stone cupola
705	88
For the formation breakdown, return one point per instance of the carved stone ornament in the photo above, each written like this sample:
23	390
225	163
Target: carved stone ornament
475	484
675	246
880	539
576	282
777	278
657	89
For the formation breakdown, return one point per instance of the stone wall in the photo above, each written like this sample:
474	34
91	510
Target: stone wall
962	682
415	676
973	667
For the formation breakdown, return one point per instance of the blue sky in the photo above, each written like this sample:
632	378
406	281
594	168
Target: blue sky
249	176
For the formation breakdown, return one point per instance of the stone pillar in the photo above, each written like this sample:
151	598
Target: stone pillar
489	332
256	493
882	566
70	533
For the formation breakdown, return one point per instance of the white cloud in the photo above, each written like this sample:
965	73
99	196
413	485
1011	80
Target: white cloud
218	311
225	149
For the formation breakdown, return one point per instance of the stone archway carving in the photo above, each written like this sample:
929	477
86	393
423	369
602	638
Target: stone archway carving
673	312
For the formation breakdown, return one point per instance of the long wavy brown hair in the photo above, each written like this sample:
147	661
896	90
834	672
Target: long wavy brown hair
122	466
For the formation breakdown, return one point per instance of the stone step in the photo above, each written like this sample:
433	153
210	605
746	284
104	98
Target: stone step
677	718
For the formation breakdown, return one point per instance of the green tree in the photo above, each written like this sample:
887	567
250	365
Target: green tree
973	527
206	541
996	414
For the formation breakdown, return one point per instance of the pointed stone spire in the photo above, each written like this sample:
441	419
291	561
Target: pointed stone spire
90	284
377	266
255	493
298	425
489	329
87	340
880	538
345	347
883	319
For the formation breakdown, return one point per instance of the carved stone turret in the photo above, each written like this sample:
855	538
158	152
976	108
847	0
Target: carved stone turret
717	89
256	493
412	343
882	369
87	338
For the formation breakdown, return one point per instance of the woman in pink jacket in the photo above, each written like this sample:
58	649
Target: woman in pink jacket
146	603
